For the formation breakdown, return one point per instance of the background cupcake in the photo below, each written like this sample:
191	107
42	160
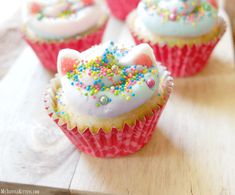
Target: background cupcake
108	99
52	25
121	8
182	33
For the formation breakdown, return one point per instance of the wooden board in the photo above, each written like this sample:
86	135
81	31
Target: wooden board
192	150
190	153
33	150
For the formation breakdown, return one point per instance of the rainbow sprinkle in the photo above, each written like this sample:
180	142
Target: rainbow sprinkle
202	10
106	69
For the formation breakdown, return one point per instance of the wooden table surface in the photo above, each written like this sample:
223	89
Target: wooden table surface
192	151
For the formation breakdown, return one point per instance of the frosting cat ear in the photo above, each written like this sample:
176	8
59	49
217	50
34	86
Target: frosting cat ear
140	55
34	7
213	3
67	58
88	2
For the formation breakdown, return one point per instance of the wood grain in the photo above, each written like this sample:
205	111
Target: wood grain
192	149
10	38
33	150
190	153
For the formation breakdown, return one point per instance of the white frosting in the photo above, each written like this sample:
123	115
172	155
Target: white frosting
178	6
79	103
119	105
52	25
190	18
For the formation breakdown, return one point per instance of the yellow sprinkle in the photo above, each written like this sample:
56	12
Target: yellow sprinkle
154	71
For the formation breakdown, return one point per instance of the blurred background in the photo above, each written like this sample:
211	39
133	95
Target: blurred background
10	40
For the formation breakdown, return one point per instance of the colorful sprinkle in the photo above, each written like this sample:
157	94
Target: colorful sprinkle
182	10
172	16
104	100
150	83
66	8
107	75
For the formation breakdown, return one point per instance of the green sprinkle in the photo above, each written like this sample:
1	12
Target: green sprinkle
40	16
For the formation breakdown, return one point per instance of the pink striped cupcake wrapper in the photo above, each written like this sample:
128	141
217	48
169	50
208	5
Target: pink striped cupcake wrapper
116	143
47	52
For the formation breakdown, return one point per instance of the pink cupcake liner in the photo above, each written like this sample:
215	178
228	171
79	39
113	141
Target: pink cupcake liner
182	61
116	143
47	52
121	8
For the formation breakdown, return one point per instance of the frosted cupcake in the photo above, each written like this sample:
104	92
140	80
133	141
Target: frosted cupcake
52	25
121	8
108	99
182	33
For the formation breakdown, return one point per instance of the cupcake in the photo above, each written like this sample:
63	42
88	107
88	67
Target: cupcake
108	99
121	8
182	33
52	25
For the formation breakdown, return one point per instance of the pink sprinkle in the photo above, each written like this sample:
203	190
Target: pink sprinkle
173	16
150	83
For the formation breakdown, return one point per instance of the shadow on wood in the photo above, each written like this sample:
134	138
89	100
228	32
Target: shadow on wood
126	175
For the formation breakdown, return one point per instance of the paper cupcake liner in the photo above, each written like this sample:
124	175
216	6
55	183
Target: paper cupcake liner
182	61
121	8
115	143
47	51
